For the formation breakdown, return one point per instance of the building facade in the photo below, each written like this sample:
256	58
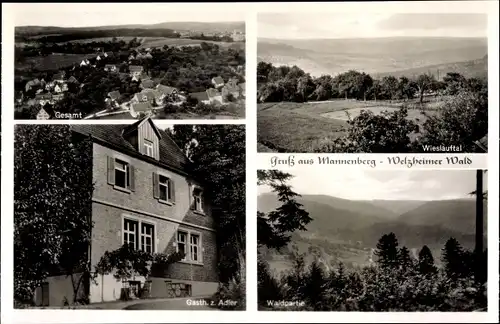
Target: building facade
144	196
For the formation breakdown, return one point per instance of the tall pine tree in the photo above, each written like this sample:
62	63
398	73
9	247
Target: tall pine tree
426	261
387	250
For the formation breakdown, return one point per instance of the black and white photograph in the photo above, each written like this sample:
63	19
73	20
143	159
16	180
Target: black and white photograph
129	216
372	82
124	61
372	241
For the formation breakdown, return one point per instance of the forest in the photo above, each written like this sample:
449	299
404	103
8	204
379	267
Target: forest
395	281
64	35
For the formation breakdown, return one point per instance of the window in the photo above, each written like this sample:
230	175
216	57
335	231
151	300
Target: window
190	244
148	148
198	200
147	237
130	228
135	229
164	184
163	188
122	174
195	247
181	243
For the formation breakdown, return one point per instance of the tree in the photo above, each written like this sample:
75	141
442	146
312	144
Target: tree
217	153
387	250
406	88
424	82
453	258
313	289
404	258
52	207
274	228
388	132
462	120
454	82
389	87
426	261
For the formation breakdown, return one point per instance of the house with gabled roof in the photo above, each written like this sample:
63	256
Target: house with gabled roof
43	114
218	82
110	68
147	84
35	83
146	95
231	88
72	79
145	196
200	97
138	108
44	98
59	77
214	96
135	70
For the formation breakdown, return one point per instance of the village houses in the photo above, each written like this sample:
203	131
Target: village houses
145	196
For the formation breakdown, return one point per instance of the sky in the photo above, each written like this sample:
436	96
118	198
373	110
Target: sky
106	14
385	184
370	25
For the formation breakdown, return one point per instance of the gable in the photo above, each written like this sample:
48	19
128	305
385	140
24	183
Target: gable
114	135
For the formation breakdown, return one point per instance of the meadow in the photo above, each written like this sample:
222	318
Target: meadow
303	127
154	42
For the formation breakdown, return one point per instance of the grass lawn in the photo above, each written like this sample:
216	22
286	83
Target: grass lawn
303	127
285	130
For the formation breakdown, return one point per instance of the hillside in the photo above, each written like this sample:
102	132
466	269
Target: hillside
347	230
179	26
469	69
452	214
380	55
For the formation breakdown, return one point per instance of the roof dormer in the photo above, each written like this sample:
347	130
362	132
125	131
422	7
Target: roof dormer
144	137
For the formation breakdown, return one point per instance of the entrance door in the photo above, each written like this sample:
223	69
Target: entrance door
45	294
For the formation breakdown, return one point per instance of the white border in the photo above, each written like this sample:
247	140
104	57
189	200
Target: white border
251	315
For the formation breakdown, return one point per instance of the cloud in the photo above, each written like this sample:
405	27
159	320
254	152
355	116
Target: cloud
369	25
384	184
105	14
435	21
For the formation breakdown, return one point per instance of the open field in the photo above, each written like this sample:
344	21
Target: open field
52	61
152	42
303	127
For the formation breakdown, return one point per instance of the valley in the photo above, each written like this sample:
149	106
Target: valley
347	231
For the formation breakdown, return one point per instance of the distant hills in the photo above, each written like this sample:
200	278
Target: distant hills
207	27
342	226
379	56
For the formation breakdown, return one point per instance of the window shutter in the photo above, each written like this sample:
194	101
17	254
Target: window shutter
111	170
191	197
202	201
131	171
156	185
171	186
